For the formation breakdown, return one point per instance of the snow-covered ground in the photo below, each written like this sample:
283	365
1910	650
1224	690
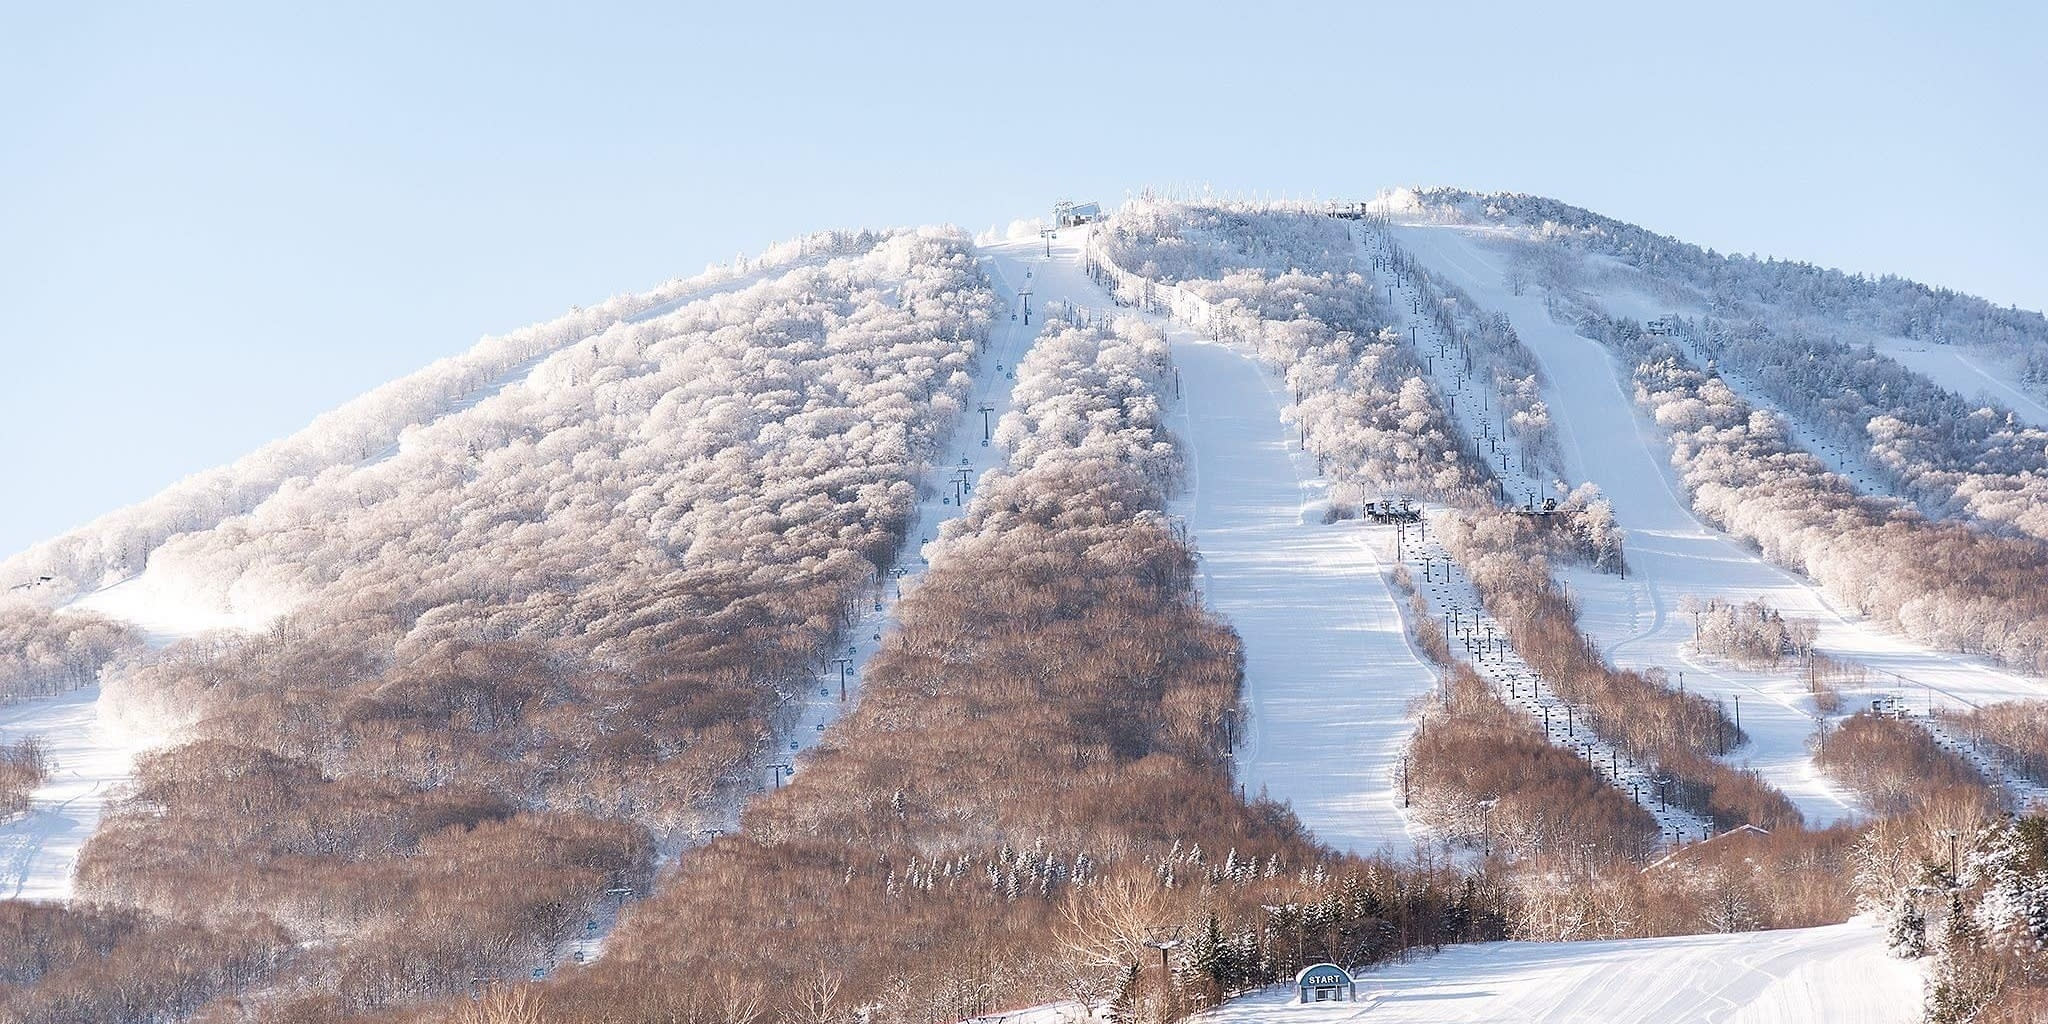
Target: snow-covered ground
90	758
1839	974
1329	673
1671	554
1971	373
93	750
165	611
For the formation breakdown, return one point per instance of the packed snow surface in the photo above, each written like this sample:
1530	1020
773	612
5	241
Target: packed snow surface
1971	373
1329	673
90	758
1672	554
1838	974
157	606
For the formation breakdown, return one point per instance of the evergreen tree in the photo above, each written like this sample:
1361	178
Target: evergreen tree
1208	957
1906	933
1964	979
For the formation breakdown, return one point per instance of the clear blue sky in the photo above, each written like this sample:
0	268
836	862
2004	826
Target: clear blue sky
218	220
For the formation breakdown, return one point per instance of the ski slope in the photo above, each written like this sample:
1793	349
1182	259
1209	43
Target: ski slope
1973	374
165	613
90	758
1329	673
1671	554
92	749
1838	974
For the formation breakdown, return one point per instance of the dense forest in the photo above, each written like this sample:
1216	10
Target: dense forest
535	620
1036	782
1803	336
537	644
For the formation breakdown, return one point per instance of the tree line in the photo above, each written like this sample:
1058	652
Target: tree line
547	637
1035	784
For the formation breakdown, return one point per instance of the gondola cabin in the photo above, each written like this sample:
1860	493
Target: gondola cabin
1326	983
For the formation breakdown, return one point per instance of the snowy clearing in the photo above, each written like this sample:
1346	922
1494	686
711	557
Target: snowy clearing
90	758
1329	673
92	750
166	613
1671	554
1973	374
1838	973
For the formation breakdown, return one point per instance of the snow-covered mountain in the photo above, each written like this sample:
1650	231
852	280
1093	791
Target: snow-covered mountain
1223	586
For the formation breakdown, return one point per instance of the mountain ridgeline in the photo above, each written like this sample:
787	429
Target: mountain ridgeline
506	691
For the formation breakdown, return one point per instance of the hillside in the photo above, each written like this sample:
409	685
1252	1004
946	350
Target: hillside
1488	595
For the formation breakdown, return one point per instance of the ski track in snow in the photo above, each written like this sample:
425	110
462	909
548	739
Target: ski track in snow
90	759
1329	672
821	703
1449	594
1837	974
1965	371
1671	553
